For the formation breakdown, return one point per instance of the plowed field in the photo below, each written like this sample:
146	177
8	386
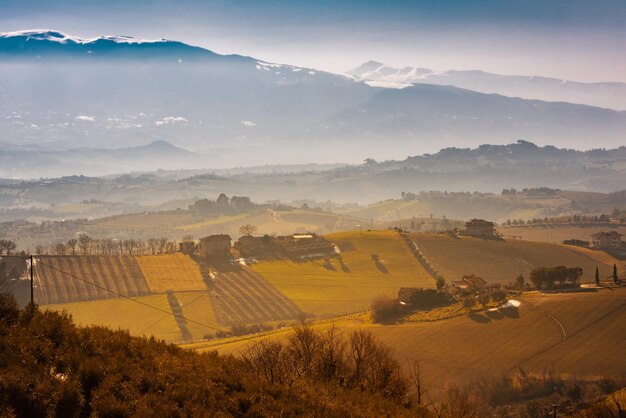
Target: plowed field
63	279
242	296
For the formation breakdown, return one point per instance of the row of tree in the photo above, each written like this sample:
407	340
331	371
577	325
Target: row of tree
555	277
87	245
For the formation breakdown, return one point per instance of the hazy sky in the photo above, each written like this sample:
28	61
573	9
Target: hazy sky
575	39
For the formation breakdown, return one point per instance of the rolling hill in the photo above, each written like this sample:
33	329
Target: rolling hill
502	261
371	263
577	335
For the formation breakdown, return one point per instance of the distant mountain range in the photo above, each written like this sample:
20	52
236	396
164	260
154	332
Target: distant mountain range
609	95
96	162
59	92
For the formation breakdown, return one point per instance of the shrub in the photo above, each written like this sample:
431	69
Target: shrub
386	310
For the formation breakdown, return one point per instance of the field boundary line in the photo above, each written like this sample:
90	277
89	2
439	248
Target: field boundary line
554	318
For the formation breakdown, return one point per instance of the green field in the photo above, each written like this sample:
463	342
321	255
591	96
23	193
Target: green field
323	287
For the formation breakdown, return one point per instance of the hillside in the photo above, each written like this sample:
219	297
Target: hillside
52	367
493	343
557	233
502	261
370	264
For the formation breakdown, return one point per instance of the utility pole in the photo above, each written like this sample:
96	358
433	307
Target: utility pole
32	281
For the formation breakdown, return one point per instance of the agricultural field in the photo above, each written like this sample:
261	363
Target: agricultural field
170	272
557	233
502	261
198	308
351	282
242	296
64	279
578	335
145	221
494	207
122	313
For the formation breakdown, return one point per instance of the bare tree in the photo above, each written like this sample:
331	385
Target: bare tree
415	374
7	246
59	248
84	242
247	230
71	245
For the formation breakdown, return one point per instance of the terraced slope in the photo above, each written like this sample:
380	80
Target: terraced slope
242	296
170	272
63	279
335	286
502	261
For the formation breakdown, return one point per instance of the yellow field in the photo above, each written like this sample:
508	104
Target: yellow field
464	349
493	207
145	221
170	272
320	288
198	307
222	219
556	234
503	261
126	314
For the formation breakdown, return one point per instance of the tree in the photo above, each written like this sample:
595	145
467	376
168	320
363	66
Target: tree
468	302
71	244
6	246
520	282
616	279
84	243
222	201
247	230
59	248
483	299
597	277
440	283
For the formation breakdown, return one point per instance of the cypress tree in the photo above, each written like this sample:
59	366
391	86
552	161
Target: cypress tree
597	277
615	279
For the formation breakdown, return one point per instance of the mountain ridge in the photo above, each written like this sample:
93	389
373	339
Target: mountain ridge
599	94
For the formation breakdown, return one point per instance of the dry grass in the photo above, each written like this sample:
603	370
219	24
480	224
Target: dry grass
145	221
321	288
222	219
198	307
125	314
556	234
502	261
469	347
170	272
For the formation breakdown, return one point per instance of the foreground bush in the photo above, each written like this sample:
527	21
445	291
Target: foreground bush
50	367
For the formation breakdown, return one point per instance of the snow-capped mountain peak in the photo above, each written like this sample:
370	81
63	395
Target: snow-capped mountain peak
59	37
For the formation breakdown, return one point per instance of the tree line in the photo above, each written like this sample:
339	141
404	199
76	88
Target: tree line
85	244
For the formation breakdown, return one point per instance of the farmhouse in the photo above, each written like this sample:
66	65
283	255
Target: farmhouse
471	283
611	239
214	246
480	228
